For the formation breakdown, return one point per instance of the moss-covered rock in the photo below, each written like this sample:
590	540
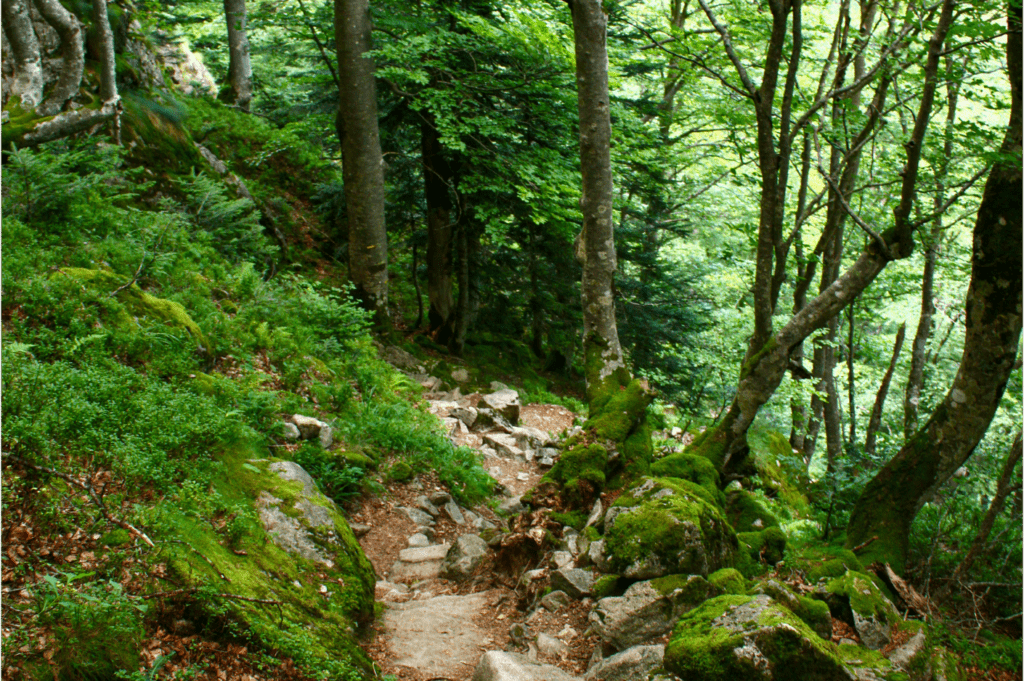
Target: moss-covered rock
834	567
139	306
855	599
869	665
579	474
728	581
400	472
662	526
813	612
760	551
748	638
778	471
944	666
746	513
690	467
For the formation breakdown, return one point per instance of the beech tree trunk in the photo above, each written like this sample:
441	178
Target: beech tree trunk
725	445
239	85
883	390
889	503
28	62
363	164
72	50
604	364
437	178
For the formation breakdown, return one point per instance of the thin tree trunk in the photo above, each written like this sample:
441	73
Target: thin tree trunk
761	374
850	387
108	66
416	285
363	164
536	305
28	62
239	86
73	51
462	314
605	368
1004	487
891	500
883	390
437	178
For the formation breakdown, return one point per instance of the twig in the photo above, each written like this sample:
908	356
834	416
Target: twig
92	493
861	547
196	551
135	278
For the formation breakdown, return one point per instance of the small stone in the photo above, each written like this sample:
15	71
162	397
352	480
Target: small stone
452	509
561	559
518	633
511	506
549	646
439	498
463	557
568	633
417	516
359	529
297	584
573	581
595	513
424	504
291	431
418	541
555	600
326	436
597	556
309	427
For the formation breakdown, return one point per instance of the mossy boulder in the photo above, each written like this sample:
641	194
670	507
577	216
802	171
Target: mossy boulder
139	306
728	581
749	638
779	471
834	567
760	551
868	665
813	612
663	526
855	599
696	469
746	513
578	475
400	472
944	666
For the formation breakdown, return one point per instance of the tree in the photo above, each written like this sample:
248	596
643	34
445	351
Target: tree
29	119
239	84
884	512
363	165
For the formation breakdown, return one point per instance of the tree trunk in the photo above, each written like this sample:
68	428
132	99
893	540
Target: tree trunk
725	445
239	85
28	63
891	500
437	179
1005	485
363	170
73	51
605	369
457	342
883	390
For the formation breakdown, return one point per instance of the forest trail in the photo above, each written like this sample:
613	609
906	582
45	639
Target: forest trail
445	607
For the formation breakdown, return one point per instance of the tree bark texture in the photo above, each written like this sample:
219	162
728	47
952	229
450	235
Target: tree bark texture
891	500
72	50
363	164
605	368
437	179
763	371
28	63
875	422
239	86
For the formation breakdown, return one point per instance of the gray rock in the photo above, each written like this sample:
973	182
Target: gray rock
453	512
465	414
596	512
638	616
293	472
555	600
530	438
533	575
613	513
291	431
463	557
518	633
551	647
417	516
504	402
512	506
501	666
326	436
634	664
419	563
309	427
906	654
562	559
575	582
400	359
498	385
424	504
597	556
418	541
460	375
504	445
545	462
488	419
439	498
359	529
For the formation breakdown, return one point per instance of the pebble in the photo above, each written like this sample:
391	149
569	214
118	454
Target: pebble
523	477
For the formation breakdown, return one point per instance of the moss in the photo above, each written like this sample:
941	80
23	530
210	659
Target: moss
580	474
744	511
600	389
355	459
945	666
675	527
690	590
728	580
779	473
591	533
751	363
574	519
139	305
760	550
702	648
835	567
696	469
608	585
400	472
118	537
859	657
864	598
711	446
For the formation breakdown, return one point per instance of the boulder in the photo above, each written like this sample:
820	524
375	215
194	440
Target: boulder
501	666
750	638
575	582
634	664
417	564
511	506
855	599
551	647
291	431
562	559
597	556
667	526
530	438
504	445
463	557
555	600
488	419
813	612
504	402
647	609
465	414
906	655
452	510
